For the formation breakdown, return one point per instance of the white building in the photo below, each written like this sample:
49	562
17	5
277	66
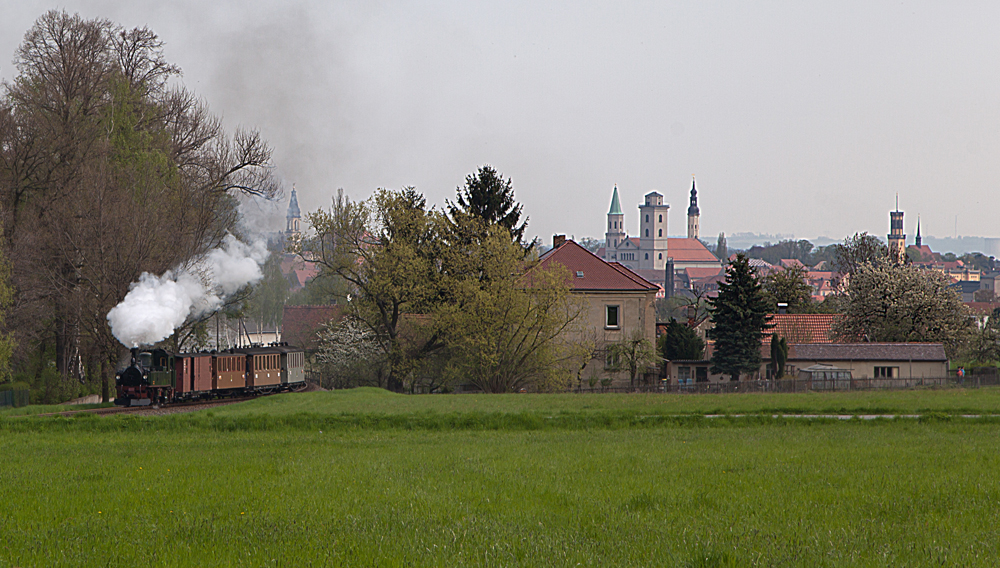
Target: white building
647	253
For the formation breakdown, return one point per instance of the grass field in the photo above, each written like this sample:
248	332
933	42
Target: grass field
360	401
231	489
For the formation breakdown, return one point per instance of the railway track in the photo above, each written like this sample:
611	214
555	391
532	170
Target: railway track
173	408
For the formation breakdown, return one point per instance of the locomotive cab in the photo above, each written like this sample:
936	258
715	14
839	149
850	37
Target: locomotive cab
147	380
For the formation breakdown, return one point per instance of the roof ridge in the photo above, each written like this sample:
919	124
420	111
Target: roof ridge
627	272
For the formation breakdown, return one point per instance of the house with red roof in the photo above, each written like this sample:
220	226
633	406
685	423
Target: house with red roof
616	304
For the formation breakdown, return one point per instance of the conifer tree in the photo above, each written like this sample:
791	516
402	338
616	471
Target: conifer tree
488	196
739	313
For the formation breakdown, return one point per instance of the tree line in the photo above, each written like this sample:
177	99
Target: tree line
107	169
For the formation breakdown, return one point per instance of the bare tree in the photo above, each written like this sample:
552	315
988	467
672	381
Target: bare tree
105	173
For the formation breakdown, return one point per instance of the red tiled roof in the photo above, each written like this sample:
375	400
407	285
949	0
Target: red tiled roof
982	307
689	250
696	272
300	323
589	272
790	262
682	250
801	328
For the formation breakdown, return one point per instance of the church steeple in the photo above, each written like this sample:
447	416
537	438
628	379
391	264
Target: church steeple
293	218
616	208
693	212
616	223
917	241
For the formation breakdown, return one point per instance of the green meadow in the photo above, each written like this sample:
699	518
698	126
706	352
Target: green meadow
366	478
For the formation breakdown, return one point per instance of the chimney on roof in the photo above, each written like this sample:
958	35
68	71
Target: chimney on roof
782	308
558	241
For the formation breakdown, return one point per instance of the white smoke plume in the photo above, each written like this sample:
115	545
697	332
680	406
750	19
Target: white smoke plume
157	305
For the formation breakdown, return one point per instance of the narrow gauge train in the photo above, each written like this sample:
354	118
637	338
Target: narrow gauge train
159	377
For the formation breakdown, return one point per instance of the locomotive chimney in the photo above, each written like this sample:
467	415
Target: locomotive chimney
135	356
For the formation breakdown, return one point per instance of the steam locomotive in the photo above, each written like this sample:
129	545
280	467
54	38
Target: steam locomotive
158	376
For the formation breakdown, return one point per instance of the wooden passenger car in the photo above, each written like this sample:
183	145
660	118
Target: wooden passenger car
263	366
229	371
194	373
293	366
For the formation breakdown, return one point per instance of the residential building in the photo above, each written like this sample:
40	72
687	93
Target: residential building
615	302
860	360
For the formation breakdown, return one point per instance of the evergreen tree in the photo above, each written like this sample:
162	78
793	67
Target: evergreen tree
721	248
739	313
681	343
779	355
491	198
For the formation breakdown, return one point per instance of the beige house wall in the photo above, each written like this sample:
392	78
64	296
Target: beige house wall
866	369
637	311
859	369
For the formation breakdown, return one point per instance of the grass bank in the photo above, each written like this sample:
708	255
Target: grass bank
798	494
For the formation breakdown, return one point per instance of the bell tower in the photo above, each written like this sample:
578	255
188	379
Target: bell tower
693	212
897	240
653	232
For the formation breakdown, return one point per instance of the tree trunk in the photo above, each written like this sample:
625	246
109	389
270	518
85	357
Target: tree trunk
105	367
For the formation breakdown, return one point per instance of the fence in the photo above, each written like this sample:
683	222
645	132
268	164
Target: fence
15	398
974	379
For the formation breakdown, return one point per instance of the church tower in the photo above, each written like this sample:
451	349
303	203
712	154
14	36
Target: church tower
293	219
653	232
897	240
918	240
693	212
616	223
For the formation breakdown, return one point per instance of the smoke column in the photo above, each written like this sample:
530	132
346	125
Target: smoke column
157	305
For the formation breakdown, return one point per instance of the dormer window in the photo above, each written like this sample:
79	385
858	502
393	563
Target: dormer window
579	274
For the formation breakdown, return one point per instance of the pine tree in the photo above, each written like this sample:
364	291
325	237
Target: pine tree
491	198
680	343
739	313
779	355
721	248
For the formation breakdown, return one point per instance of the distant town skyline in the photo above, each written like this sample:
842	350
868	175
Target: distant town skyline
802	119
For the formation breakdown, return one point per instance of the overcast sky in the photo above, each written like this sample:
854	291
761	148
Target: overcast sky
797	117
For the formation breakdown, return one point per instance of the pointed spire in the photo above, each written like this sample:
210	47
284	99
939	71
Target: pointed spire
616	208
918	239
693	209
293	205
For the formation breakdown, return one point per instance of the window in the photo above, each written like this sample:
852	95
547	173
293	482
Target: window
611	360
579	274
647	256
683	375
647	218
661	256
886	372
647	232
611	317
661	218
661	232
